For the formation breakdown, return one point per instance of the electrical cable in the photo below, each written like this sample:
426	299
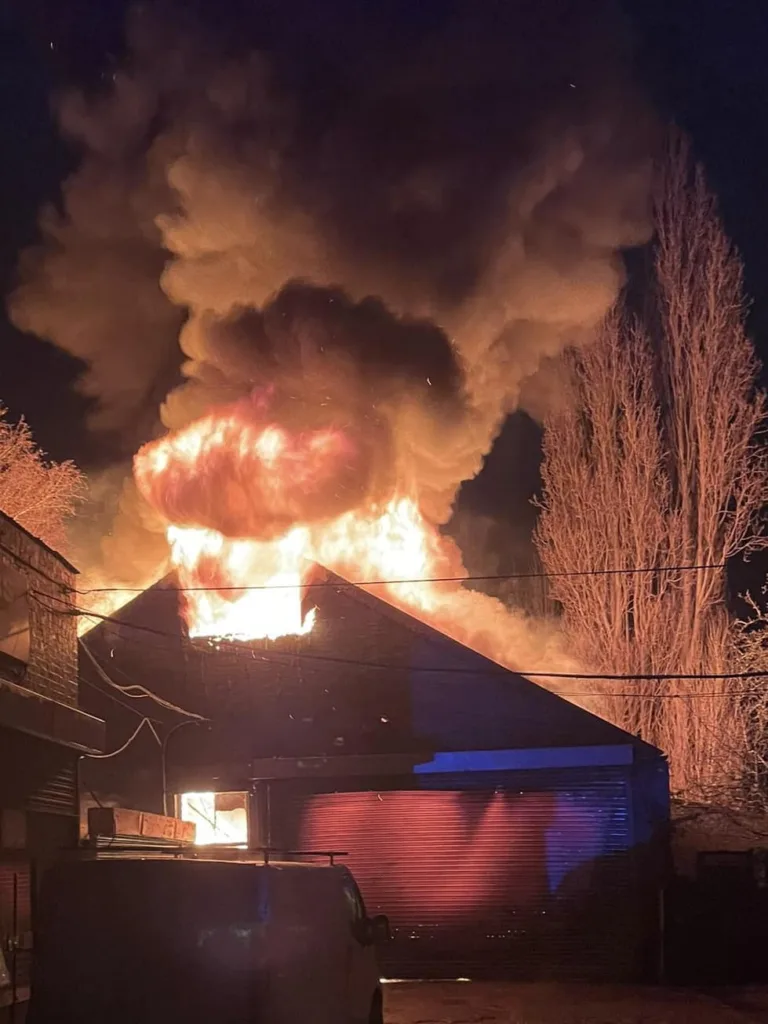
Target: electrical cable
154	732
143	691
494	670
128	742
110	696
341	583
497	669
500	577
655	696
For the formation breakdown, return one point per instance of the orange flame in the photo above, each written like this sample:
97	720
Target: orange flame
230	471
240	609
246	589
241	583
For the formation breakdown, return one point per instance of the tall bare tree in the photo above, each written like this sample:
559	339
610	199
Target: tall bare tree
656	461
38	493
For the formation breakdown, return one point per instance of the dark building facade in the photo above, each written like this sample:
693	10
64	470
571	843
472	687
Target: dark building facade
43	733
502	829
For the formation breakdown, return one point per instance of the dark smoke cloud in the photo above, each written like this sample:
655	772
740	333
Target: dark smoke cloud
320	349
340	378
483	173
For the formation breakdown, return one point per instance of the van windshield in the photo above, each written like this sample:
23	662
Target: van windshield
149	941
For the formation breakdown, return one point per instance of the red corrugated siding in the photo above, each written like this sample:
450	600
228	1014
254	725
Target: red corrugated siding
475	879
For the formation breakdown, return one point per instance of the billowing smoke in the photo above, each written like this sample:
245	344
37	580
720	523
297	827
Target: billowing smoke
393	242
364	402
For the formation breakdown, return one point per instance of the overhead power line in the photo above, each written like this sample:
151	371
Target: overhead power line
655	696
651	677
340	583
490	578
493	667
205	645
442	670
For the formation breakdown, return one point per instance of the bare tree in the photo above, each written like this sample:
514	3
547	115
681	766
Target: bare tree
656	462
39	494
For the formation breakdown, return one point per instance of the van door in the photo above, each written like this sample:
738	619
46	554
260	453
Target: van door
362	966
306	947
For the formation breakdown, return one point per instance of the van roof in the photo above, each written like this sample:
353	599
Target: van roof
197	855
253	862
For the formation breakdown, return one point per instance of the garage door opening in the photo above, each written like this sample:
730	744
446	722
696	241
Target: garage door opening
220	818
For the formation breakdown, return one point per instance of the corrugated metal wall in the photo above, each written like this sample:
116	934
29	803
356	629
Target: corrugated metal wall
528	883
58	793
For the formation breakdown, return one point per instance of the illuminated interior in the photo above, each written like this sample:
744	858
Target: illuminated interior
219	817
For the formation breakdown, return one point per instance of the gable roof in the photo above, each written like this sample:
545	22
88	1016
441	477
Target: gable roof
368	678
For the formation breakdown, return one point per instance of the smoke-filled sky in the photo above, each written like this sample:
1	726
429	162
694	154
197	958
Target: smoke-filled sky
476	168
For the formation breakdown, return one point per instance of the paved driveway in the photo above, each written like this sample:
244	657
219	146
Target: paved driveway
502	1003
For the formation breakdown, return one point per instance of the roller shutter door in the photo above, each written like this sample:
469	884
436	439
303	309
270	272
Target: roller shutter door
532	884
57	794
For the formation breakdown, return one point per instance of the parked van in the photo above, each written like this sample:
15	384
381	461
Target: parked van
159	940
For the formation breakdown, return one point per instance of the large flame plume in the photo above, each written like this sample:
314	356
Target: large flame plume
243	579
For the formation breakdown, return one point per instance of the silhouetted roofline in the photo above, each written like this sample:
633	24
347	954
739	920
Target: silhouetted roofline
41	543
485	664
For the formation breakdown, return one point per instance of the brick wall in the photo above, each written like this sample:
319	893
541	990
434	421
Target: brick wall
52	665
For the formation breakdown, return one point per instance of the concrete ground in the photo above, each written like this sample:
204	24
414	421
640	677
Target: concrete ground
752	1000
543	1003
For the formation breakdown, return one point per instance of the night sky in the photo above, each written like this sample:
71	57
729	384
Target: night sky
703	63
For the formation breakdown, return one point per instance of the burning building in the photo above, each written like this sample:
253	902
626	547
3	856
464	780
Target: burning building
501	828
336	286
338	685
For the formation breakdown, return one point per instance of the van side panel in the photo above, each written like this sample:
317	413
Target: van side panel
155	941
135	941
